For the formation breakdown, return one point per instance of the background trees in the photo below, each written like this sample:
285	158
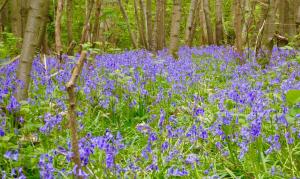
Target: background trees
125	24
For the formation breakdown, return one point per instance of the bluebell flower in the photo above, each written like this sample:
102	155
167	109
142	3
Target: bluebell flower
172	171
13	104
12	155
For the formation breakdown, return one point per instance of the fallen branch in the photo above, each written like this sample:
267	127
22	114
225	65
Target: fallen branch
9	62
71	111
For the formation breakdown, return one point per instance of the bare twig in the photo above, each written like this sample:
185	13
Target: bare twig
71	112
259	38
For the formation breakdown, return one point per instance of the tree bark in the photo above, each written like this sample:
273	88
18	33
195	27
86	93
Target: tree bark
3	5
137	19
3	10
70	86
190	22
298	18
287	17
70	21
143	23
208	22
132	37
203	25
270	27
160	30
249	21
238	27
175	28
36	16
219	23
97	21
58	43
149	23
16	18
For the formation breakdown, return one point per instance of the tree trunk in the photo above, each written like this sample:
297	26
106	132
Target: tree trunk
137	19
287	16
160	24
195	23
164	14
208	22
203	25
36	16
249	21
190	22
143	23
149	24
84	34
58	43
238	27
175	27
132	37
16	18
298	18
3	10
270	26
70	20
97	21
219	23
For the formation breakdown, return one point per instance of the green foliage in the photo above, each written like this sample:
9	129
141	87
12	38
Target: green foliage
293	97
9	45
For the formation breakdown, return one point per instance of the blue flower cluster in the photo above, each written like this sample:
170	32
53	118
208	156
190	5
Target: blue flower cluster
202	116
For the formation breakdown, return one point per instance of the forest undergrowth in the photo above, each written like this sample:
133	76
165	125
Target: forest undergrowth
151	116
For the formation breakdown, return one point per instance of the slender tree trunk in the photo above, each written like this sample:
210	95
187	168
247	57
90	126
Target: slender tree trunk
132	37
164	14
36	16
291	18
249	21
195	23
219	23
3	5
84	34
24	14
208	22
97	21
143	23
160	24
287	17
149	24
69	14
154	37
137	19
203	24
238	26
70	86
175	27
16	19
190	22
270	27
58	43
3	10
298	18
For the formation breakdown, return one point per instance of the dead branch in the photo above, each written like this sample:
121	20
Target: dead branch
9	62
71	111
259	38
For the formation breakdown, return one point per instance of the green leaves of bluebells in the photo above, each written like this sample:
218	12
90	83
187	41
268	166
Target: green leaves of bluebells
293	97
